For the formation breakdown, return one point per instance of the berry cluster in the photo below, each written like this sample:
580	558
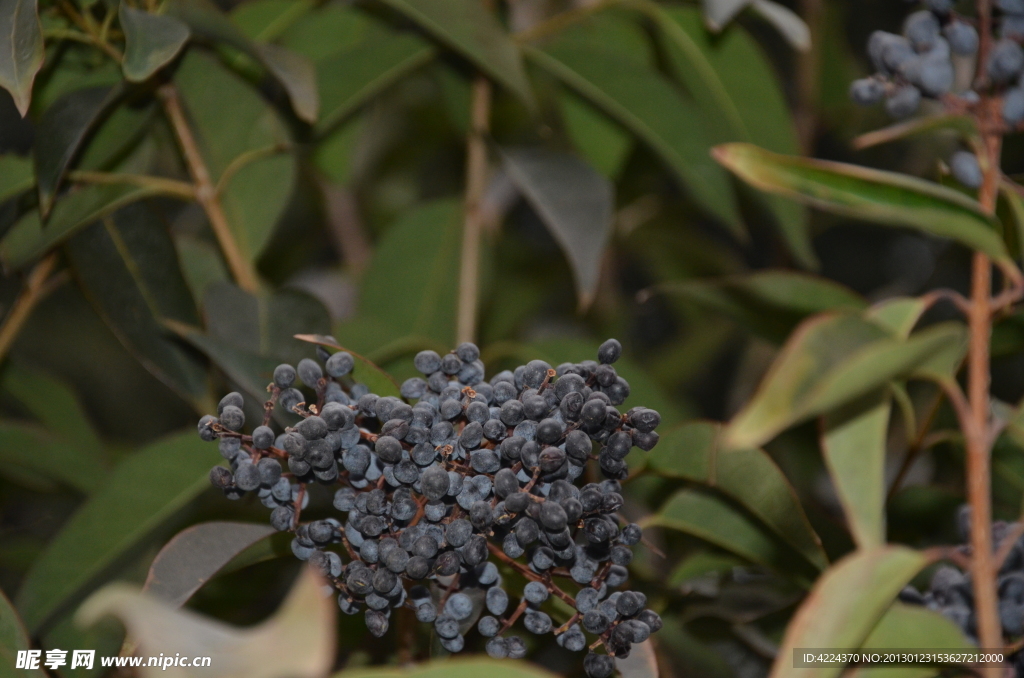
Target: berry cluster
922	63
950	591
433	490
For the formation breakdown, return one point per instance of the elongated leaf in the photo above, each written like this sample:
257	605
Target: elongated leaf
600	140
769	303
298	76
646	104
264	324
252	372
908	626
28	239
54	405
290	70
853	443
230	119
30	447
749	476
713	520
350	78
196	554
15	176
63	129
128	268
21	49
718	13
576	204
830	360
426	306
854	438
886	198
267	19
1008	191
738	94
151	41
13	639
141	493
474	32
298	640
845	605
786	22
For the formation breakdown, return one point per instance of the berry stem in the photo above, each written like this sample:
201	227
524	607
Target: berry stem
206	193
476	183
530	574
37	286
975	422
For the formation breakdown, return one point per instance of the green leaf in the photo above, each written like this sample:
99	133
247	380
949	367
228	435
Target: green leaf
650	107
38	451
379	381
250	371
905	625
15	176
266	19
128	268
1009	192
853	443
151	41
28	239
830	360
717	522
196	554
141	493
291	71
769	303
350	78
733	83
887	198
473	31
264	324
428	235
13	638
598	138
54	405
748	476
21	47
575	203
63	129
230	118
845	605
331	29
854	438
601	141
298	640
298	76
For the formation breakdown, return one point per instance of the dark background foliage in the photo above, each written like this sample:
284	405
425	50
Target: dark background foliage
354	229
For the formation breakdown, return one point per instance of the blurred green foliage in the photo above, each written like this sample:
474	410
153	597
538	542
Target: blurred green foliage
330	139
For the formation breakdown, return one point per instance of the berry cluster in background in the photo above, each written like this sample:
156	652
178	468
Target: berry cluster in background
950	591
935	58
452	486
